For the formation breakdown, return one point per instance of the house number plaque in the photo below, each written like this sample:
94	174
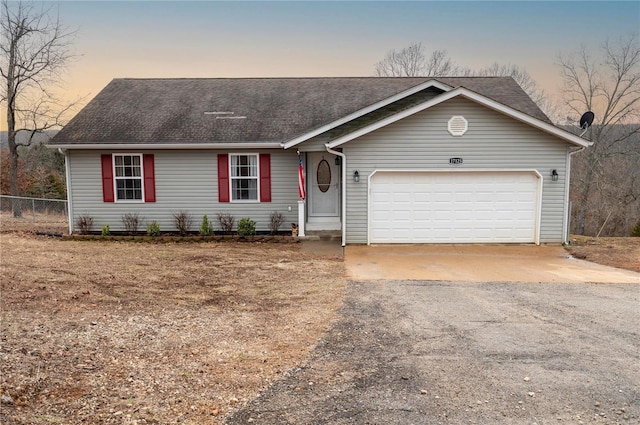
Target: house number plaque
455	161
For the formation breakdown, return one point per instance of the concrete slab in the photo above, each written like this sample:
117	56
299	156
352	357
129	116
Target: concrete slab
477	263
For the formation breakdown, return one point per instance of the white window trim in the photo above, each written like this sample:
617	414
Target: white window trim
115	179
231	178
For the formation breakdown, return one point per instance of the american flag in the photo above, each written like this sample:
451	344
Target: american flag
301	190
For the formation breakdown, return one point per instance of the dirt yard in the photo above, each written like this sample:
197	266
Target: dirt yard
29	223
135	333
616	252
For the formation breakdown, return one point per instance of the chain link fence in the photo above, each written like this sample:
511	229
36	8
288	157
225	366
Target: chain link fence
34	212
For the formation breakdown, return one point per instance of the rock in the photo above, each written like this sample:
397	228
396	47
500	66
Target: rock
424	392
527	379
6	399
531	394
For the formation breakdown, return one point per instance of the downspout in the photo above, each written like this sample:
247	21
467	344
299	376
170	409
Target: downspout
67	171
344	192
565	224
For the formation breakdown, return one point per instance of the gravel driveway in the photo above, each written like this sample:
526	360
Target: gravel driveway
411	352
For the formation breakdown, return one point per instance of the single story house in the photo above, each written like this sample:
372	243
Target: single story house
384	160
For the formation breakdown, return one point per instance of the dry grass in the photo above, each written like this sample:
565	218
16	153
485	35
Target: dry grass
114	332
50	223
623	253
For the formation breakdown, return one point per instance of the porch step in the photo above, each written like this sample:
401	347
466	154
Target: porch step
322	235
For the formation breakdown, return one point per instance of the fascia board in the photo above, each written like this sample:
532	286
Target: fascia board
528	119
168	146
415	89
475	97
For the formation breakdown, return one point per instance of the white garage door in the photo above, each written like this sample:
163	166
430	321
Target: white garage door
453	207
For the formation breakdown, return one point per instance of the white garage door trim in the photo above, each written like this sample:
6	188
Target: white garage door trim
538	206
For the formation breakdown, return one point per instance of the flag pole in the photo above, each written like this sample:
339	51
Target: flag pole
303	195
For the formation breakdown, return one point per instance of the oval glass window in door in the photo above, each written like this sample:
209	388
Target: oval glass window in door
323	175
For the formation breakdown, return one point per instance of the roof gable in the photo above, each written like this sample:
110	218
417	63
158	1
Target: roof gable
475	97
372	109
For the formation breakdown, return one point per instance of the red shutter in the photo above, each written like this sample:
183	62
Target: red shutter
223	178
265	177
149	178
107	178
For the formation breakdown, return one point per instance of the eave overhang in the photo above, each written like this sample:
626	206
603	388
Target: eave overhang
168	146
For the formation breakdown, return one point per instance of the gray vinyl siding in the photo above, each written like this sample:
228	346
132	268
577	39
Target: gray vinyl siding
185	180
422	142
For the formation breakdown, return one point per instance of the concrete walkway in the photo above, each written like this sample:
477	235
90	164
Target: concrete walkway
477	263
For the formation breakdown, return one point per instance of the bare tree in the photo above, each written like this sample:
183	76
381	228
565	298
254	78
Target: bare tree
609	85
35	47
413	61
525	80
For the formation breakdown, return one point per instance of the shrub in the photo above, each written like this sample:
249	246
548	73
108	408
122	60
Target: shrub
131	222
246	227
85	224
276	221
183	222
635	232
206	229
153	229
226	222
106	230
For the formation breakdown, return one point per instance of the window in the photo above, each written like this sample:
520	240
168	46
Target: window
238	177
244	177
128	177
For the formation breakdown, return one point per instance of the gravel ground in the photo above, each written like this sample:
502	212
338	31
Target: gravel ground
450	353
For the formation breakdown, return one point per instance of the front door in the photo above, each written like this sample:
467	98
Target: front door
323	177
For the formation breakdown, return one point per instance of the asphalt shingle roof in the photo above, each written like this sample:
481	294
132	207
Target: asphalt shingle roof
156	111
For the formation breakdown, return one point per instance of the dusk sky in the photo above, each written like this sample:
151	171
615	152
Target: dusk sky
298	39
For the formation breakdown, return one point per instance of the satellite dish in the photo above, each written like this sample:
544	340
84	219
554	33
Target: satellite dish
586	120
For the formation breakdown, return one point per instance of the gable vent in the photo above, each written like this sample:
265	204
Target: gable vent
457	125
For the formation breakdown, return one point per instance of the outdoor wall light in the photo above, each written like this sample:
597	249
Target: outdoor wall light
356	176
337	160
554	175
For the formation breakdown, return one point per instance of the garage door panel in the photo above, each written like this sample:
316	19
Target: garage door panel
484	216
457	207
381	217
383	197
